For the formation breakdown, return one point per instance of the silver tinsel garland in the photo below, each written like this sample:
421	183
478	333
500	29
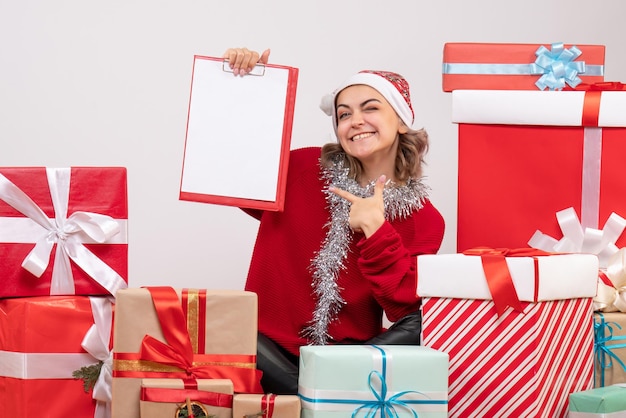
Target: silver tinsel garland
400	202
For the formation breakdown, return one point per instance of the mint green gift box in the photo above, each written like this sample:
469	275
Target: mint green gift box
604	402
339	381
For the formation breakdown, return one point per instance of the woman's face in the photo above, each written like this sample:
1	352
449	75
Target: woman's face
367	125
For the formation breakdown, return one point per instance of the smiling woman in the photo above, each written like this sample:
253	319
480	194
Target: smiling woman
356	215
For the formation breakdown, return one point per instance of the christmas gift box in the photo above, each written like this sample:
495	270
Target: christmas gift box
63	231
506	66
266	406
610	348
161	332
517	325
174	398
606	402
367	380
531	162
47	345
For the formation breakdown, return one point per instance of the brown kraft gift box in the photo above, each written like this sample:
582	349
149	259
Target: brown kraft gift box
160	332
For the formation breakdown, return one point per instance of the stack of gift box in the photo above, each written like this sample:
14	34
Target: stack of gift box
531	309
64	250
63	246
179	350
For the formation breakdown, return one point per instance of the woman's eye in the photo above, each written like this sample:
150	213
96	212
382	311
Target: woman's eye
342	115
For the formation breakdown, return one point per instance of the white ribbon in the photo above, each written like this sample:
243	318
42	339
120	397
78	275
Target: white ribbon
592	160
67	233
96	343
42	365
601	243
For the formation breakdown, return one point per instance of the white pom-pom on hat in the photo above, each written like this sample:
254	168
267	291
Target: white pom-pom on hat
328	104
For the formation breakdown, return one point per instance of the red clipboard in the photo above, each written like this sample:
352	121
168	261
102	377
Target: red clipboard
238	135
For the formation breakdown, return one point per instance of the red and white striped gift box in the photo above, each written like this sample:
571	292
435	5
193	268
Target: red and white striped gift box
507	362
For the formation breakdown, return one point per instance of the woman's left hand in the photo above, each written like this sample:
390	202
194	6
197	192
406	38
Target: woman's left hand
366	214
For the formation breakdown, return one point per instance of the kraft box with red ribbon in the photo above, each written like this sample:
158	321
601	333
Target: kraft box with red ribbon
48	344
542	168
507	66
266	406
338	381
182	398
161	332
517	325
63	231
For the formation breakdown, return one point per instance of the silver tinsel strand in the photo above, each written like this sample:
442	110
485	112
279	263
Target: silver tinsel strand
400	202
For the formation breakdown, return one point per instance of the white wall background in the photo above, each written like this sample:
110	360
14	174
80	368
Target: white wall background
106	83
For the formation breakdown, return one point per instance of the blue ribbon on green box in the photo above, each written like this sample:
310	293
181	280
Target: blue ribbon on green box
382	403
603	333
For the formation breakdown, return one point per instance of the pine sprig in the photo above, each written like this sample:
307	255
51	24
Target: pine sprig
89	375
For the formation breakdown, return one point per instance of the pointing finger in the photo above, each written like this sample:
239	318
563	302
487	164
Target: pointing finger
342	193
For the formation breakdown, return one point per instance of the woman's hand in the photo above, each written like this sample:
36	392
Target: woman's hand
366	214
243	60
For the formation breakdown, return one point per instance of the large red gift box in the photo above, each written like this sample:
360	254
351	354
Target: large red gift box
506	66
518	328
41	346
63	231
544	165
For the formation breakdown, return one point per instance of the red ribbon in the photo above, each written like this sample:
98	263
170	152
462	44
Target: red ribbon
605	279
593	94
267	405
222	400
498	275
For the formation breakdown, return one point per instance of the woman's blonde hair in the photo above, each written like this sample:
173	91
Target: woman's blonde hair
412	147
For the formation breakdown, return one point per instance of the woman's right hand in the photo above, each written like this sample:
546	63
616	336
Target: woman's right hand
243	60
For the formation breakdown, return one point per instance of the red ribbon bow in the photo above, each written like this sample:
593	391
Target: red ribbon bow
178	351
498	275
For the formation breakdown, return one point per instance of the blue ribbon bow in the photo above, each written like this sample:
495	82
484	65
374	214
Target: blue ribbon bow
603	333
557	67
385	406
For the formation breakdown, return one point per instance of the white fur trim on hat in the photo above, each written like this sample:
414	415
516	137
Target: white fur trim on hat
377	82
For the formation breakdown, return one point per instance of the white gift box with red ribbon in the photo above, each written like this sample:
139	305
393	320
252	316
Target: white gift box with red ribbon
517	328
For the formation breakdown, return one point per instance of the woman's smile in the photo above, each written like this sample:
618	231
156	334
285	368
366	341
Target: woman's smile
363	135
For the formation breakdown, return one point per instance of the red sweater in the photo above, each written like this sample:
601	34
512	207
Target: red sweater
380	272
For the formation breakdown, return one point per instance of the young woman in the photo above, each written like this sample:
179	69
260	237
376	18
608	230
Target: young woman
356	215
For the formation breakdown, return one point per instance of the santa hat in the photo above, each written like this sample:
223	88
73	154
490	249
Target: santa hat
393	87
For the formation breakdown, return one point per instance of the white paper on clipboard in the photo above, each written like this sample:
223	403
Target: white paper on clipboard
238	135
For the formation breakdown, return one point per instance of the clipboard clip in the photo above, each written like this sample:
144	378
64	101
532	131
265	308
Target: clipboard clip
258	70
